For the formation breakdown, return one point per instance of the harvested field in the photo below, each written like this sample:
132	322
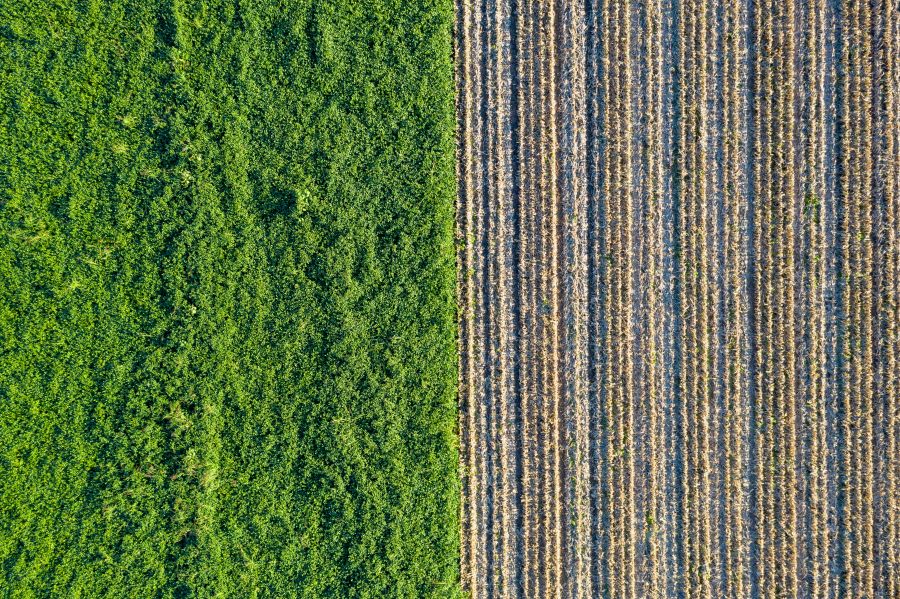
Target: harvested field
227	312
679	283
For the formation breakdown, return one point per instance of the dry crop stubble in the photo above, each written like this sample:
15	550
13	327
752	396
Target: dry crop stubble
703	281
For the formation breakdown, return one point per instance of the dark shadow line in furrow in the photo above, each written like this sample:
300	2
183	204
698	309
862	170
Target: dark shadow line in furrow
486	294
517	319
641	308
561	421
497	269
594	287
748	101
803	309
670	309
833	101
840	447
677	416
882	293
541	375
753	499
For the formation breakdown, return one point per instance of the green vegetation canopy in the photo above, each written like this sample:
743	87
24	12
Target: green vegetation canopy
227	359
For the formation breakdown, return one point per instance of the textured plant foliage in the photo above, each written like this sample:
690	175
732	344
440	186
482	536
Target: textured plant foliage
227	357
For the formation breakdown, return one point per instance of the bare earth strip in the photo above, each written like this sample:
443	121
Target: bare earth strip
678	232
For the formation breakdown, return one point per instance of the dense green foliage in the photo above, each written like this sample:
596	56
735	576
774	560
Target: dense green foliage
227	358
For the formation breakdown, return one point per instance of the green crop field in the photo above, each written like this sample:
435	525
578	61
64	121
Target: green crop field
227	357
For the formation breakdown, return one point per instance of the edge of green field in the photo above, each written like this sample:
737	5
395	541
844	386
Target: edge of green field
227	315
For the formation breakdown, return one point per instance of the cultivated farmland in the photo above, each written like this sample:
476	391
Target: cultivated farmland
679	281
